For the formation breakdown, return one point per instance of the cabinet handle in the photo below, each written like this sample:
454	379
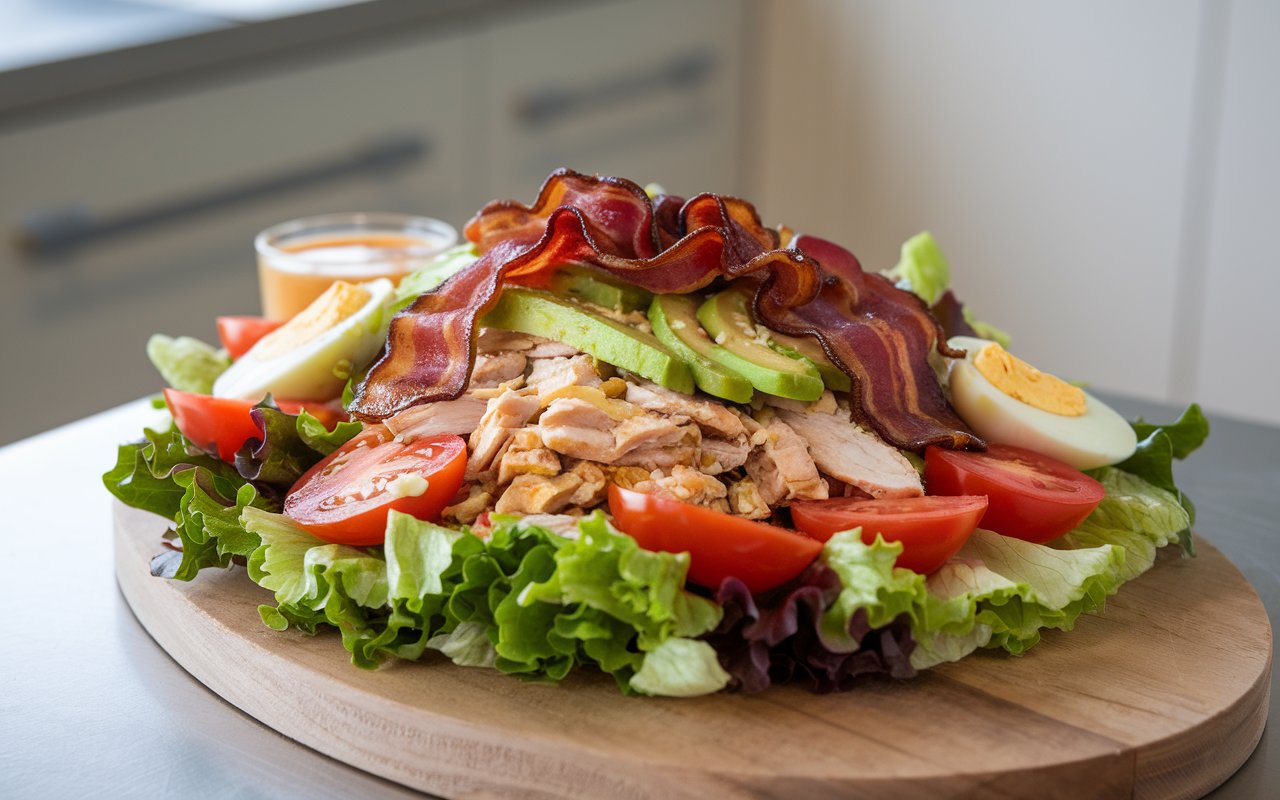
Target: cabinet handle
682	73
57	230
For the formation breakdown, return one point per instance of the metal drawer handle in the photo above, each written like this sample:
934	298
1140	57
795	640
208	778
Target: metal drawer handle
57	230
682	73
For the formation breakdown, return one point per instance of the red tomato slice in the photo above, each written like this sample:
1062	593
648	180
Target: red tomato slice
345	498
238	334
222	425
216	424
931	529
1029	496
761	556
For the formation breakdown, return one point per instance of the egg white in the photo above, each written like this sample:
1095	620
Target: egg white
317	369
1098	438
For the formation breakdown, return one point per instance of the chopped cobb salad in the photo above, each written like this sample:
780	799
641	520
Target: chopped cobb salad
628	431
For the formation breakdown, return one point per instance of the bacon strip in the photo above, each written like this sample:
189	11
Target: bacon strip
881	337
431	344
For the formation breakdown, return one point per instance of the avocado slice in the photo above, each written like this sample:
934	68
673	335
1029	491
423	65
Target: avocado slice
600	288
808	347
551	316
675	324
744	349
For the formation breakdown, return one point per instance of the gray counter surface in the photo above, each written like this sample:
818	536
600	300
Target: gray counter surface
92	707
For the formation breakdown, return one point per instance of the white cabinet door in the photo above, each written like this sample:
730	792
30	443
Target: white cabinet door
642	90
1044	145
390	129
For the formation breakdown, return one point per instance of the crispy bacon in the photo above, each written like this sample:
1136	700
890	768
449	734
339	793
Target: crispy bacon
881	337
877	334
431	344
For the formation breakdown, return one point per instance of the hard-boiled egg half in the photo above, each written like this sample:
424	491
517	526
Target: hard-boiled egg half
1007	401
311	356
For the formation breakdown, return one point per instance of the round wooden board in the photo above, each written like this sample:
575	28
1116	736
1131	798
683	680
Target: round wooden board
1164	696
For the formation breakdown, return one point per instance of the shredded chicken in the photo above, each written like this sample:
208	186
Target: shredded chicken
581	429
722	455
496	340
504	415
593	490
496	368
548	375
545	348
534	494
714	418
459	416
525	455
848	453
465	511
781	466
745	500
688	486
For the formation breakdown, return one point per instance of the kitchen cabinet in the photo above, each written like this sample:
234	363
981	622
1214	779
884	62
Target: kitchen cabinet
137	219
644	90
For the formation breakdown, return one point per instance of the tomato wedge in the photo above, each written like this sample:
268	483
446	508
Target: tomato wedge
345	498
222	425
238	334
216	424
719	546
1029	496
931	529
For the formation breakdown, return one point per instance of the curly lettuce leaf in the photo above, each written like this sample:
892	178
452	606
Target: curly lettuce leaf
186	364
280	456
203	496
869	585
315	435
316	583
1136	516
1158	446
778	639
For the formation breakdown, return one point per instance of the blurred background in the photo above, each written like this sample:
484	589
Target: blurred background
1101	176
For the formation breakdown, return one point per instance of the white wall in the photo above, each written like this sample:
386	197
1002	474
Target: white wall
1100	175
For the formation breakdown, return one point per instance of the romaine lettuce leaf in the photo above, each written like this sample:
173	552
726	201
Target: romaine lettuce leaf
922	268
186	364
680	667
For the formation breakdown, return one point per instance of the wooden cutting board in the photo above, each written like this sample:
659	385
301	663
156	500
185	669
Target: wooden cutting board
1164	696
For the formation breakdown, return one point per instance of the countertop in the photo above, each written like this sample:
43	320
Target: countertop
93	707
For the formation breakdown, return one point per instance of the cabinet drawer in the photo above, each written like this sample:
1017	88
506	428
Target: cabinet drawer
644	90
171	191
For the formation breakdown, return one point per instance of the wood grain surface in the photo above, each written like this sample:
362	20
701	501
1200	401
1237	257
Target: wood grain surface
1163	696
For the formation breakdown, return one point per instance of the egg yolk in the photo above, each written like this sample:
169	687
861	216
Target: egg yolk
1023	382
339	301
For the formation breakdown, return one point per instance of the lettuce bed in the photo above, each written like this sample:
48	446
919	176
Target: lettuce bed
536	604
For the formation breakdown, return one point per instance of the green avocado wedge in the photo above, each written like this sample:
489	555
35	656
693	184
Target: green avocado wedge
563	319
808	347
675	324
744	348
600	288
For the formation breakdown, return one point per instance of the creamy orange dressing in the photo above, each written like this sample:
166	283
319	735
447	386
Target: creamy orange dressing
300	272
